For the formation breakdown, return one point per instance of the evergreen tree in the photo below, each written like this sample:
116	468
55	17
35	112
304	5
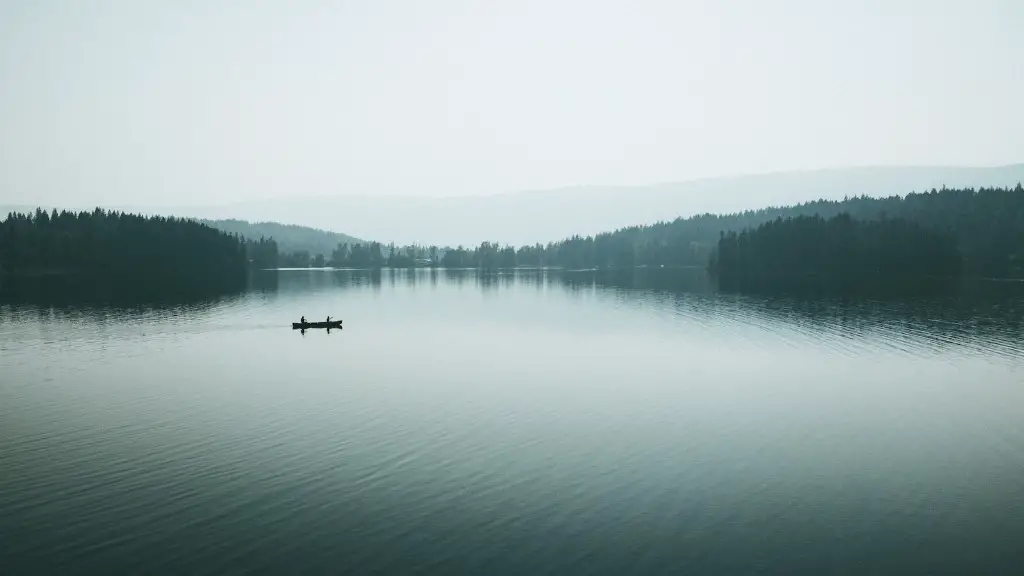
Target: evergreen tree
156	248
810	252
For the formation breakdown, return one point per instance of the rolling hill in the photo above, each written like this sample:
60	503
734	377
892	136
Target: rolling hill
545	215
548	215
289	237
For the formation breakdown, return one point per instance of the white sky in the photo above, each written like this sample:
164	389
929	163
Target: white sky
202	101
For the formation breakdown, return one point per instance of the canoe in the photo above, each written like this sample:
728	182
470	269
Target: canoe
307	325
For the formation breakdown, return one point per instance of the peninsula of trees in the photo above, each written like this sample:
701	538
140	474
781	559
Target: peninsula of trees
155	248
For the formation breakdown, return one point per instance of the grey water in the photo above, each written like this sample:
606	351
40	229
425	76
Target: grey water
523	422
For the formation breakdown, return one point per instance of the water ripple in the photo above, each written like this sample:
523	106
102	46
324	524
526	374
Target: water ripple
531	424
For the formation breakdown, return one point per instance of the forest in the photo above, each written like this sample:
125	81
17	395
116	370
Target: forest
986	226
811	252
168	249
979	232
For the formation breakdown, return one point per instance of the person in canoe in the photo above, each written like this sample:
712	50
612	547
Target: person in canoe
328	319
302	320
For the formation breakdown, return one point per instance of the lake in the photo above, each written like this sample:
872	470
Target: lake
524	422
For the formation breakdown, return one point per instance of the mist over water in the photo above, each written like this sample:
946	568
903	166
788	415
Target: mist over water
525	422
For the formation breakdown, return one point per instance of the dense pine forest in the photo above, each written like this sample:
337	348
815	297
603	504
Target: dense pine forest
810	252
986	226
169	249
936	233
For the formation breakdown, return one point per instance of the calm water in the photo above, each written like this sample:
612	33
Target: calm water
523	423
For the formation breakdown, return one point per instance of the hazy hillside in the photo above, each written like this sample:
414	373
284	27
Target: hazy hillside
540	216
289	237
544	215
986	227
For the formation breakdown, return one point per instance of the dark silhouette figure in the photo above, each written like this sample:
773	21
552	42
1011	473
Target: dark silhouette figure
328	319
302	320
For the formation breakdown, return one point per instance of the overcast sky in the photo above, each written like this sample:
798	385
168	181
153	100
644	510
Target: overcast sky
190	102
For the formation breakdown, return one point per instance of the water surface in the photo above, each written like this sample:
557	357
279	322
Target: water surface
516	423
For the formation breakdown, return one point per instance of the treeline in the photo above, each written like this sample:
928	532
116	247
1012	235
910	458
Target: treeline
811	252
170	249
987	224
365	255
344	255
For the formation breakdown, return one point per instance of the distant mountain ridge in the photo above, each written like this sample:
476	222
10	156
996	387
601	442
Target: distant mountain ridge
528	217
289	237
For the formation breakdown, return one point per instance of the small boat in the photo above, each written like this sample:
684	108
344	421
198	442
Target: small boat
307	325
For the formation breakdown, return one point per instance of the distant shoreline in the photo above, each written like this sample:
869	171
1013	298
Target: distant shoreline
964	277
67	273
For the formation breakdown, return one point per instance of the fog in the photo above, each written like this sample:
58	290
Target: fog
199	104
544	215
